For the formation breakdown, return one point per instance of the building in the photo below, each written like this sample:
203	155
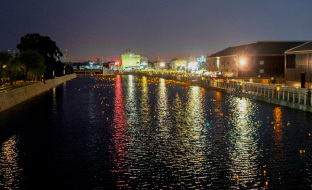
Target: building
179	64
130	60
258	59
160	65
298	62
144	63
65	59
202	62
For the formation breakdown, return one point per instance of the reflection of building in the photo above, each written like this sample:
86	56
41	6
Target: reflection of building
130	60
298	66
259	58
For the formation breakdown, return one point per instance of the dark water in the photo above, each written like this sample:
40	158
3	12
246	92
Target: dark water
119	132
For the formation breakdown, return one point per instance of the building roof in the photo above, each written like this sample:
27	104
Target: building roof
259	48
306	47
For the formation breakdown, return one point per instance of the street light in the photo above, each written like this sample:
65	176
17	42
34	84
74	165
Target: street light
162	64
242	62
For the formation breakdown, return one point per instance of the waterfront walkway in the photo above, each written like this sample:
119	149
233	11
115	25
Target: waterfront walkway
292	97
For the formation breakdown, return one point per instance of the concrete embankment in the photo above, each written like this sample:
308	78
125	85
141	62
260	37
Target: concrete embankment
16	96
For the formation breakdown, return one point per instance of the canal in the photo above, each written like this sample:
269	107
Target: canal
119	132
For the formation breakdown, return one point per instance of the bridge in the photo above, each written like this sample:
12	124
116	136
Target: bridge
88	71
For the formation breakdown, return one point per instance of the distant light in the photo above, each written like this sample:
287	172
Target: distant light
192	65
4	66
278	88
162	64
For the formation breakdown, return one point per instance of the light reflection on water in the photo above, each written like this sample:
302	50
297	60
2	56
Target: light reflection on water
149	133
9	167
243	138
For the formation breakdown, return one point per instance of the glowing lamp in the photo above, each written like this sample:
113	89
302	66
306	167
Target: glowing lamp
242	61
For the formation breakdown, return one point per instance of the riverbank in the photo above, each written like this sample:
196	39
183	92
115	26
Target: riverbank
16	96
296	98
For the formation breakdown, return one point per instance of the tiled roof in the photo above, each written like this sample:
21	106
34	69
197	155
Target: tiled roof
259	48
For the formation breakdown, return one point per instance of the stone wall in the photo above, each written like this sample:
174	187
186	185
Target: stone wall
16	96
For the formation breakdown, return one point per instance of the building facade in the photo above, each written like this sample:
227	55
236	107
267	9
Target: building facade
130	60
202	62
298	62
259	59
179	64
144	63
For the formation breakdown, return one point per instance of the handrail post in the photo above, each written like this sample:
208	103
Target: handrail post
299	97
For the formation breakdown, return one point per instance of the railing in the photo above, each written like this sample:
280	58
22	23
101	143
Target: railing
277	93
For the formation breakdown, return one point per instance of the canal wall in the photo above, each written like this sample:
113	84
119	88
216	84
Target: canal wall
13	97
293	97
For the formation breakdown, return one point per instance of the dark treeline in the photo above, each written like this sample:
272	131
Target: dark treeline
38	58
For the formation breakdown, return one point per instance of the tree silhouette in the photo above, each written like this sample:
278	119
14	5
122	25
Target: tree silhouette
9	66
31	64
5	60
46	47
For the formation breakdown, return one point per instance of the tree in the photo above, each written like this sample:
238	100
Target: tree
9	67
5	59
46	47
31	64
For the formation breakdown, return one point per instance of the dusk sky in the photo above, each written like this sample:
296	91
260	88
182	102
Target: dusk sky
172	28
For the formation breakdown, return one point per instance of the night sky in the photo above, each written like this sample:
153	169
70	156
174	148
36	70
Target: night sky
173	28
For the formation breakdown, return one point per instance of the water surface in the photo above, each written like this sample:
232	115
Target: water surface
118	132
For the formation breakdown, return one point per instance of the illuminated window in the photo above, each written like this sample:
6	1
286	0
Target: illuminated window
261	71
261	62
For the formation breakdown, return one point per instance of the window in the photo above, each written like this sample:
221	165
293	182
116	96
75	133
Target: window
261	62
261	71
